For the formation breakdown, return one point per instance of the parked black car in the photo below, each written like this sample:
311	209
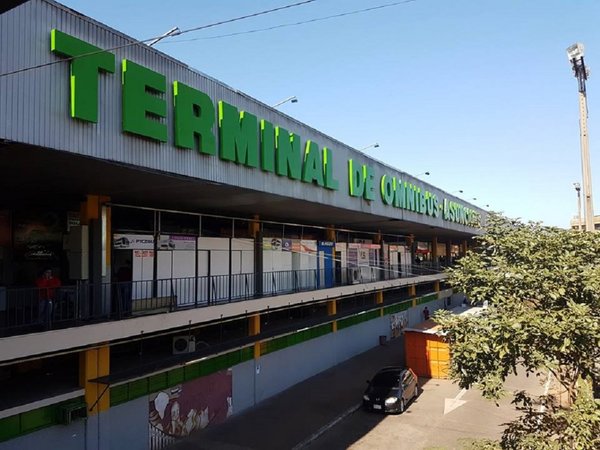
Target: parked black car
390	390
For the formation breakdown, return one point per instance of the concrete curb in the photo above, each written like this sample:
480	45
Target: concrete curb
326	427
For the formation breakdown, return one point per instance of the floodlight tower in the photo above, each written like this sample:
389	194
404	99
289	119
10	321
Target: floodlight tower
577	187
575	55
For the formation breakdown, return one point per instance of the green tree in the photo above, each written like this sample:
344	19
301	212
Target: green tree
542	286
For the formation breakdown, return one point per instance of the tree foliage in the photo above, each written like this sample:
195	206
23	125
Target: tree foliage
542	285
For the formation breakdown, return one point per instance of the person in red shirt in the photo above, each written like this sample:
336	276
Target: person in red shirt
47	285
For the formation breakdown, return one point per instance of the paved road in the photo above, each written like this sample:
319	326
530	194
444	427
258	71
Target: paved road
292	419
424	425
293	416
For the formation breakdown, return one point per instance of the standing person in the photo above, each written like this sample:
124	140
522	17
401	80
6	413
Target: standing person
47	285
426	313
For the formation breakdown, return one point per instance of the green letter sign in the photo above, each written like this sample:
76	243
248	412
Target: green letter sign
267	146
312	169
330	182
355	179
142	110
194	117
238	132
287	154
84	72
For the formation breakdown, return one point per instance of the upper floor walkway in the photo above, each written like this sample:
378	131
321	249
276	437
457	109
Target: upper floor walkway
119	310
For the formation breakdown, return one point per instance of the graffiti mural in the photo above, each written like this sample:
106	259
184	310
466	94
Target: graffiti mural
182	409
398	322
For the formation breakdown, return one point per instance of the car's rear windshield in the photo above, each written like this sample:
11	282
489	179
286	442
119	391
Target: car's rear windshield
386	379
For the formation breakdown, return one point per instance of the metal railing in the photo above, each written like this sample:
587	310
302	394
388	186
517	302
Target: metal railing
158	439
25	310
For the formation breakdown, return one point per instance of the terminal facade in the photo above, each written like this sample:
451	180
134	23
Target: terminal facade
173	251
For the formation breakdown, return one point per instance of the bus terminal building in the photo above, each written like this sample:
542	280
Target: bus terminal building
205	250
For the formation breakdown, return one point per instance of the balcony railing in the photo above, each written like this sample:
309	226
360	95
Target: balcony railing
26	310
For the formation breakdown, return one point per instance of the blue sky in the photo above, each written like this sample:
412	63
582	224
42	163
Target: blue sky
477	92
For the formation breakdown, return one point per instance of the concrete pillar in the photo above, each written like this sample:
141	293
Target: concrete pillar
96	215
381	273
411	242
254	231
436	286
463	248
434	252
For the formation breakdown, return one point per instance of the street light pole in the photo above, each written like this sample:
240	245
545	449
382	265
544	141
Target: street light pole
292	99
578	189
172	32
575	54
374	145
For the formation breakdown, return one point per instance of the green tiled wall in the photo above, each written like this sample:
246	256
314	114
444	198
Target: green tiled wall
289	340
392	309
138	388
359	318
26	422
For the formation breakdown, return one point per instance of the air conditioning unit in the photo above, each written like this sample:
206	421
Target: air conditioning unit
355	275
184	344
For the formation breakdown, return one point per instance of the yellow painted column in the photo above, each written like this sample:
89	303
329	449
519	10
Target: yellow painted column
412	292
253	330
330	233
254	226
90	209
332	311
377	238
379	301
436	286
95	363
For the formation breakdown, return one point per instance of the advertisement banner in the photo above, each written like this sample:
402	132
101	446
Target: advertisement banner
174	242
272	244
286	245
133	241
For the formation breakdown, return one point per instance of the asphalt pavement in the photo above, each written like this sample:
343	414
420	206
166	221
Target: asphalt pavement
296	417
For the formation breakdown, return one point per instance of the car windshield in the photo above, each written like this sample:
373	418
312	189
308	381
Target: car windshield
386	379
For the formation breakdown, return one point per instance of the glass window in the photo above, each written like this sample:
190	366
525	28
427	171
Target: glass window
386	379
